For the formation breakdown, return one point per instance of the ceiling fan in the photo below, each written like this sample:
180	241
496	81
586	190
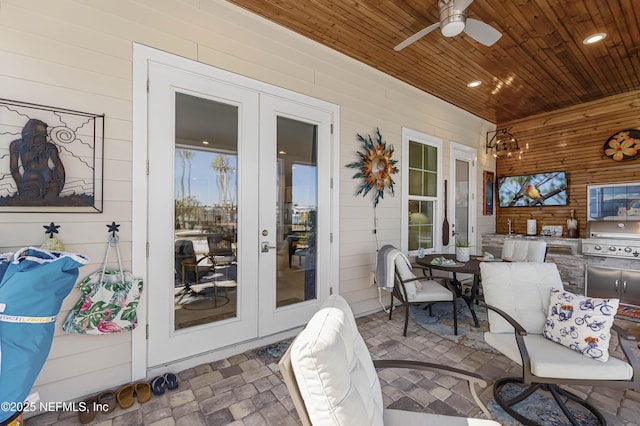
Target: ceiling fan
453	21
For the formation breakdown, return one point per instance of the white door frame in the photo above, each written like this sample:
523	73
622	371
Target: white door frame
463	153
142	55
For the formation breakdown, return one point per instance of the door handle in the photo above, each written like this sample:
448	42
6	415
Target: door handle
616	285
624	286
266	247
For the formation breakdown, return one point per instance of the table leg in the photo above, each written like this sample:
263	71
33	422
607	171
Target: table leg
470	299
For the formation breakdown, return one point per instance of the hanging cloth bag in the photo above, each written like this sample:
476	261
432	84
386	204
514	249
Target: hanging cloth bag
109	300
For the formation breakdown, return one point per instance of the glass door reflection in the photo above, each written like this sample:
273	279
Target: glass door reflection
296	209
205	197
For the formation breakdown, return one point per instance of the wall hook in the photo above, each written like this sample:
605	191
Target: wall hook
51	229
113	228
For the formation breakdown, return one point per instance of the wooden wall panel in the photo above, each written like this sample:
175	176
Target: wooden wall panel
572	140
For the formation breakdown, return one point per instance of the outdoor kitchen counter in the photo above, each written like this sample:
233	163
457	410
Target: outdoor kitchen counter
564	252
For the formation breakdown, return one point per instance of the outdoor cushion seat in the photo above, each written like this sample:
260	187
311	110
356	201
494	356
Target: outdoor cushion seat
518	296
515	250
412	290
332	378
549	359
431	291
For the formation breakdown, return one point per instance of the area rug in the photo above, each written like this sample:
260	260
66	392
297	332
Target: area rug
272	353
441	323
539	407
629	313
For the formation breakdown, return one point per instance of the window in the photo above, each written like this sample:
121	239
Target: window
421	177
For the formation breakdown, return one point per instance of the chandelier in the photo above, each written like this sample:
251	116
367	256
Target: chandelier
504	143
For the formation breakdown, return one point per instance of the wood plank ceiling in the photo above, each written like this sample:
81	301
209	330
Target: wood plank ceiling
539	64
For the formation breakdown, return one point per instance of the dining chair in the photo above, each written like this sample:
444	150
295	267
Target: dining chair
186	263
558	338
187	268
332	378
515	250
412	290
220	250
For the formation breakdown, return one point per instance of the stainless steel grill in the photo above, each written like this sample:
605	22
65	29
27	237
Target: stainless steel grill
618	239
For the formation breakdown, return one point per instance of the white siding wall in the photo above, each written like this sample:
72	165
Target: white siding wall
78	55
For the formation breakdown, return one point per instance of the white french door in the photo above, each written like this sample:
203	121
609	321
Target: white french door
182	305
239	201
295	225
462	198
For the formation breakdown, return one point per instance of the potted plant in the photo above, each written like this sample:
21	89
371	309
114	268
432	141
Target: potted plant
462	251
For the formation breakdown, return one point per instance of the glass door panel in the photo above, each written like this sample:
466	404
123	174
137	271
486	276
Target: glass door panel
206	206
462	200
296	204
461	212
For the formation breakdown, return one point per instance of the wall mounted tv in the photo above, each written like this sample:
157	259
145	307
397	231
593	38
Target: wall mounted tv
539	189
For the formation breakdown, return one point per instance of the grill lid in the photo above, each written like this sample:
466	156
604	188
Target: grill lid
618	230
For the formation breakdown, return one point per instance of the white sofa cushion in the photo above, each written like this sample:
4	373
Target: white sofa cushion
581	323
337	380
549	359
334	370
522	290
405	273
524	250
432	291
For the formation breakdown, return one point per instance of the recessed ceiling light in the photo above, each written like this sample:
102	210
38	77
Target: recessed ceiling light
594	38
282	152
474	83
205	142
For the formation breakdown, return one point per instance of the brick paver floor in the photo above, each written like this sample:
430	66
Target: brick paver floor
247	389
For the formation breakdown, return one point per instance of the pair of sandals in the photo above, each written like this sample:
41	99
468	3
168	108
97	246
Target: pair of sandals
88	411
168	381
141	390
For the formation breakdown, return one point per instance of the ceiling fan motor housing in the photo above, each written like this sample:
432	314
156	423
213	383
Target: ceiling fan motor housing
452	21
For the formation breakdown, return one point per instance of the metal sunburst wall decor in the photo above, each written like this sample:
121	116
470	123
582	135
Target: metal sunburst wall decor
375	166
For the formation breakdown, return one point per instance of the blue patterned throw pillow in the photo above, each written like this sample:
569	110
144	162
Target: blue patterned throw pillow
581	323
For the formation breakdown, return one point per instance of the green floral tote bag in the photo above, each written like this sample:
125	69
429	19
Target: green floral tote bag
108	302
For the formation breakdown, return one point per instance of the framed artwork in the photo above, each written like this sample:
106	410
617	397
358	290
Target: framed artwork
623	146
617	202
488	193
51	159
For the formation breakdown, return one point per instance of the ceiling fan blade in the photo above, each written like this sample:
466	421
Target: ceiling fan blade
461	4
481	32
416	36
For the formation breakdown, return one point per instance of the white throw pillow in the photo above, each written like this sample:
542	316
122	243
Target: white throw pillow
405	273
581	323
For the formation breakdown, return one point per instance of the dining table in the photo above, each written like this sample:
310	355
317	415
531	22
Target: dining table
471	267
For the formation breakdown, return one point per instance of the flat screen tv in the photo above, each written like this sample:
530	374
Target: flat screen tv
539	189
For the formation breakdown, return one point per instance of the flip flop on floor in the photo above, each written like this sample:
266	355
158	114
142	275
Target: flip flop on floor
124	396
89	413
108	400
157	385
143	391
171	381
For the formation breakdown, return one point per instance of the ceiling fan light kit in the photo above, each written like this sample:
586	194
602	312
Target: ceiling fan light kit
453	21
